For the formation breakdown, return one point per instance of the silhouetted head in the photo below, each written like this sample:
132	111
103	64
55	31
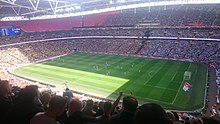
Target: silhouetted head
89	103
75	105
130	104
30	93
57	105
150	113
4	88
107	107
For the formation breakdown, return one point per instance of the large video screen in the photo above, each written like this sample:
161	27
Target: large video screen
1	32
10	31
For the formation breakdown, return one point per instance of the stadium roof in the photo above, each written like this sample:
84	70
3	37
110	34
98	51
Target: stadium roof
32	8
40	9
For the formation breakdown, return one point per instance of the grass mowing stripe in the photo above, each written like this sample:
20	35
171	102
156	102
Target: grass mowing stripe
87	77
77	86
167	82
197	94
85	82
164	88
158	72
84	67
138	79
168	76
174	76
179	87
91	80
133	87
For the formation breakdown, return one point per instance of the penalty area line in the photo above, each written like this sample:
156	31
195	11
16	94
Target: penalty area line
179	87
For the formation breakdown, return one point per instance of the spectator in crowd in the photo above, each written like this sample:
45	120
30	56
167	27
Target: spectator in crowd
173	117
5	100
68	93
26	107
151	113
129	106
57	106
88	109
196	121
208	120
105	118
75	114
100	109
176	116
170	116
95	107
45	99
115	108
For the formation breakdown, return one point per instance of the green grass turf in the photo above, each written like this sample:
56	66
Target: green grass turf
149	80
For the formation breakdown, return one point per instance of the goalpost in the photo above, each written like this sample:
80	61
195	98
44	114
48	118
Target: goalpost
187	75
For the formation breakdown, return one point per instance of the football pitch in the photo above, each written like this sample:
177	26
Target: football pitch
149	80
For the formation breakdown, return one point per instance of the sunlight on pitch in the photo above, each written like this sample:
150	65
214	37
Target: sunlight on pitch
87	82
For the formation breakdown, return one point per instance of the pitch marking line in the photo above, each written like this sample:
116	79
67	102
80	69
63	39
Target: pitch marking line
161	87
152	75
82	85
180	87
147	98
174	76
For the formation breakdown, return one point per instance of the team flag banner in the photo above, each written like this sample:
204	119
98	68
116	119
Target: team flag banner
186	87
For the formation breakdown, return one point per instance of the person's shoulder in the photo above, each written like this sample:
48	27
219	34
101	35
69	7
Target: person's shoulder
117	115
5	101
2	98
99	117
102	117
41	118
115	118
120	118
37	118
39	114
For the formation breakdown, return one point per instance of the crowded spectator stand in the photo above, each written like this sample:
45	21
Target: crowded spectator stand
178	37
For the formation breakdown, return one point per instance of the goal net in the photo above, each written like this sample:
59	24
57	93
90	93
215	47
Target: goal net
187	75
